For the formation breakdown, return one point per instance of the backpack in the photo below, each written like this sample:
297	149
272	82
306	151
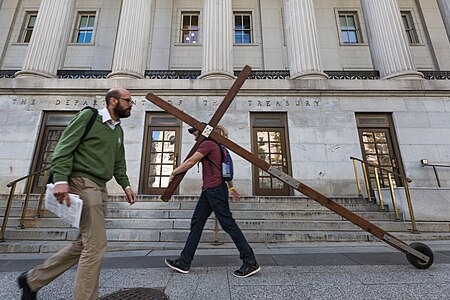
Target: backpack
226	168
86	131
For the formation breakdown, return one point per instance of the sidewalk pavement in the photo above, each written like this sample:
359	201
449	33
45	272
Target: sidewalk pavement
371	270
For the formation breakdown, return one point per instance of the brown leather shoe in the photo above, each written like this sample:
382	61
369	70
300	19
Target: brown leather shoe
27	293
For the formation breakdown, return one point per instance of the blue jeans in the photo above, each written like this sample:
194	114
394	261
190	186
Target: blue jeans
215	199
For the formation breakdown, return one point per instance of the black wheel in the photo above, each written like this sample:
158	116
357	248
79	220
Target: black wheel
417	262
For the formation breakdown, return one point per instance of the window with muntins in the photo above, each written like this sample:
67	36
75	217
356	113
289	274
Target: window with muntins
410	30
269	134
28	27
379	147
243	28
349	28
189	27
162	145
85	28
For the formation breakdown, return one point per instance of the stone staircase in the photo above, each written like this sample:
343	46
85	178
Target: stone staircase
153	224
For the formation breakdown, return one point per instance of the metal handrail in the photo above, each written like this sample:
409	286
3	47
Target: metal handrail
405	180
216	232
425	163
27	176
387	170
28	189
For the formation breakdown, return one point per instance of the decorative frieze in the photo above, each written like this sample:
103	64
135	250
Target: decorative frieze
353	75
172	74
194	74
8	73
83	74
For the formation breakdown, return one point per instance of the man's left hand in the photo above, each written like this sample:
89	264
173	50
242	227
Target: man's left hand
131	195
235	196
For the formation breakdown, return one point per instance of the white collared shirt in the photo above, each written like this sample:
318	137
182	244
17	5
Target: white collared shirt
106	118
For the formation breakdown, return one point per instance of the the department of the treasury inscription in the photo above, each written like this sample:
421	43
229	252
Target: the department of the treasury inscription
241	103
58	102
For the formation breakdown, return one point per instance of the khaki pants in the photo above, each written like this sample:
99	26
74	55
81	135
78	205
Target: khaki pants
87	250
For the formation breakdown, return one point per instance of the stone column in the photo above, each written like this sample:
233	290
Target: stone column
217	39
48	45
388	44
8	11
301	40
444	7
133	38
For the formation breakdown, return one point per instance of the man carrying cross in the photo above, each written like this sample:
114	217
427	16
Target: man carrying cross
418	254
214	198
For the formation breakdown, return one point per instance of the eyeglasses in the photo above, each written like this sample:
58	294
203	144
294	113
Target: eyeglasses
128	100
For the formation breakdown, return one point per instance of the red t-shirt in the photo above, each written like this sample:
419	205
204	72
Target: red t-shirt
210	172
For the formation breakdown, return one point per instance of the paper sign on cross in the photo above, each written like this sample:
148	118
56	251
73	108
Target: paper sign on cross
415	257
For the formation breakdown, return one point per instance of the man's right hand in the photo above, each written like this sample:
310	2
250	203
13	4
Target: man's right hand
61	192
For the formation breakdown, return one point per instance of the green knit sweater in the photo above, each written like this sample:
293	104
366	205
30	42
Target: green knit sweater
99	157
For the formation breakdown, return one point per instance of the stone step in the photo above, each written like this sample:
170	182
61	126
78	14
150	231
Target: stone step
173	235
126	240
288	215
262	219
253	236
135	230
19	198
162	211
12	246
16	212
54	246
41	234
238	214
236	206
256	236
53	222
166	219
289	203
301	225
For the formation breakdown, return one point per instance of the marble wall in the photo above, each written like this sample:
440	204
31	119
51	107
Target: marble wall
322	130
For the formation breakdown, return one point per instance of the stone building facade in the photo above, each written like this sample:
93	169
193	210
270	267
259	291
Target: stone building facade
331	79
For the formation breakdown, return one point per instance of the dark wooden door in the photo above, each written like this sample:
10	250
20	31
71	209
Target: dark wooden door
162	153
271	148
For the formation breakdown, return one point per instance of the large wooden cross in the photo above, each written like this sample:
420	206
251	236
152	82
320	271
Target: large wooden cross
418	254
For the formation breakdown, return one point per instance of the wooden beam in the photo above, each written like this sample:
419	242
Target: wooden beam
226	102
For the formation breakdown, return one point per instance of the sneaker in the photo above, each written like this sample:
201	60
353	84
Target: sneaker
246	271
175	265
27	293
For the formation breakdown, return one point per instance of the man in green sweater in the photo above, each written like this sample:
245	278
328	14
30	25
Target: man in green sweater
82	165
